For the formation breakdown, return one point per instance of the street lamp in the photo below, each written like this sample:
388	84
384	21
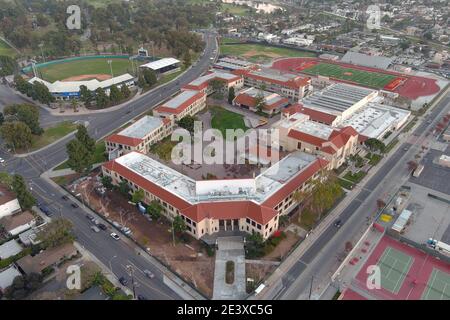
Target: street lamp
130	269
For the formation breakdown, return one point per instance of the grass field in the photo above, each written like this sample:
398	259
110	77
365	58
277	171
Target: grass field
52	134
259	52
62	71
6	50
223	119
366	78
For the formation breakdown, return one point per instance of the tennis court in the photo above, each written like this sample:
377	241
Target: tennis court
438	286
394	266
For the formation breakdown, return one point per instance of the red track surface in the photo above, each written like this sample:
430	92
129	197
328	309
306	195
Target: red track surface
349	294
415	281
413	87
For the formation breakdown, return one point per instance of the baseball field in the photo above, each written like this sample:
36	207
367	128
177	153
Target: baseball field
366	78
85	69
259	53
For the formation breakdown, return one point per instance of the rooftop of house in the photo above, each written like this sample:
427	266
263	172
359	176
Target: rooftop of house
6	195
9	249
16	220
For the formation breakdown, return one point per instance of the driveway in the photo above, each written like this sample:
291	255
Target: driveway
230	249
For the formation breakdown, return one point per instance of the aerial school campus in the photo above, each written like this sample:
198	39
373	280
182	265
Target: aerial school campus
239	225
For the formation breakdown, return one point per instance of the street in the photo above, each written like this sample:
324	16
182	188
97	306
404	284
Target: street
115	254
312	272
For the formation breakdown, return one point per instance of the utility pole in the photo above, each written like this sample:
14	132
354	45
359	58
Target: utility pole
110	66
310	288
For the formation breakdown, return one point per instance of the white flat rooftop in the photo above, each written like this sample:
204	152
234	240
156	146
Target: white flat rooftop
336	98
275	74
374	119
315	129
74	86
258	190
142	127
179	99
159	64
9	249
236	62
215	74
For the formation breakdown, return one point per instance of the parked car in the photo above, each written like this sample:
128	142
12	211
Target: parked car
45	210
65	198
141	297
74	205
149	274
102	226
95	229
91	218
2	161
123	281
115	236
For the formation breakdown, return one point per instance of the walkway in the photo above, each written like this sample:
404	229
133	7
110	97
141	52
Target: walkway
229	249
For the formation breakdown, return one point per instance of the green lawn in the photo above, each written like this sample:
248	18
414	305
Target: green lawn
52	134
355	177
62	71
366	78
373	158
345	184
6	50
163	149
259	52
237	10
223	119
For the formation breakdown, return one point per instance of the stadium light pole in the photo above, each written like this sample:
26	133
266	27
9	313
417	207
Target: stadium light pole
42	52
110	67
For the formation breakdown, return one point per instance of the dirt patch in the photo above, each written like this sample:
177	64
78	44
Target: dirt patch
283	248
253	53
257	272
85	77
190	260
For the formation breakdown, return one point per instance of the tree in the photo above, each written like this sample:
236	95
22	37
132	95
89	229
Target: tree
115	95
231	95
80	159
179	226
217	85
254	245
2	118
187	59
260	101
25	198
23	285
74	104
428	35
85	96
107	182
149	77
124	188
56	233
26	113
101	99
41	93
154	209
8	66
137	196
82	135
375	145
16	134
412	165
125	91
187	123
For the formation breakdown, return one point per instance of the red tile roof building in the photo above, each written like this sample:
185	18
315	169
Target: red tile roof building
291	86
248	99
249	205
204	82
188	102
298	132
139	136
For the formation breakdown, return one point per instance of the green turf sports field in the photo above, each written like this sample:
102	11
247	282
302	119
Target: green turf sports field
375	80
61	71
